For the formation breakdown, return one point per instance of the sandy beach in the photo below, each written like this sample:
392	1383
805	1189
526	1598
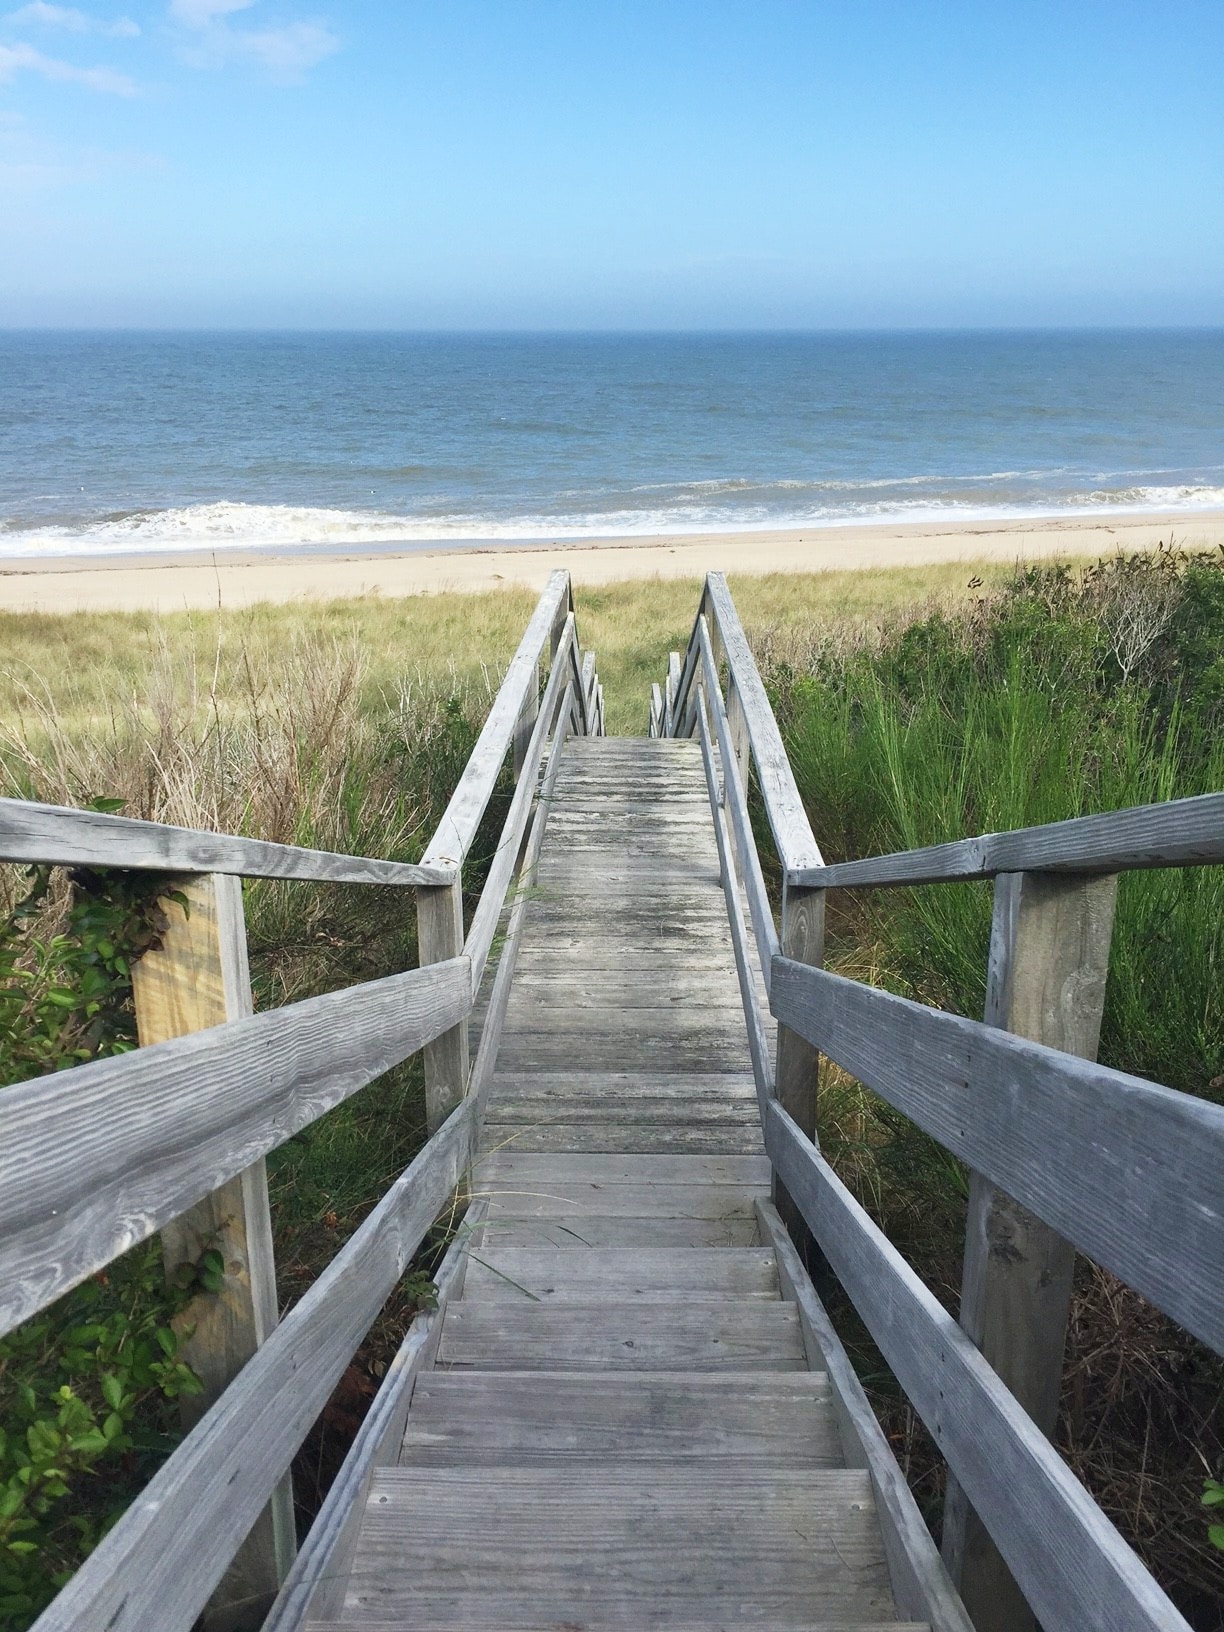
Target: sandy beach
169	583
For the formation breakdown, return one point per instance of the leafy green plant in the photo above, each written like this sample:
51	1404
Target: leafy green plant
1213	1498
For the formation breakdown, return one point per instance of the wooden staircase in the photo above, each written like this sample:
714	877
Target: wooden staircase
623	1426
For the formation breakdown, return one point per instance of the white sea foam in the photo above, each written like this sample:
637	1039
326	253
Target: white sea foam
694	509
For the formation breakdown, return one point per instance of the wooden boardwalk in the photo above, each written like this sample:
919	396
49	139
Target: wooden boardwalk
629	1409
623	1427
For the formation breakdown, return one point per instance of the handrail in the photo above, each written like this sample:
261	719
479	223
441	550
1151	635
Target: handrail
99	1157
453	836
61	836
1178	833
1126	1170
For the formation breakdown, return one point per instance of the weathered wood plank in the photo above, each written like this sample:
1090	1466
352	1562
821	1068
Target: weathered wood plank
447	1059
95	1159
602	1087
788	820
85	838
524	1052
644	1545
632	1336
492	896
159	1564
526	1420
920	1583
1131	1173
602	1230
1073	1566
1179	833
664	1171
710	1139
1049	960
621	1274
626	988
454	834
317	1582
197	978
685	1111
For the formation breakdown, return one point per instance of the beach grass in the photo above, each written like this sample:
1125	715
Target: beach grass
917	705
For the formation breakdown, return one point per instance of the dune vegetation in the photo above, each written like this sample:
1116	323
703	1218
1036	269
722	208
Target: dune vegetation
917	706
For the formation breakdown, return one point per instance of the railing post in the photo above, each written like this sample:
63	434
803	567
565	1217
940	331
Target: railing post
447	1058
801	938
1049	958
199	977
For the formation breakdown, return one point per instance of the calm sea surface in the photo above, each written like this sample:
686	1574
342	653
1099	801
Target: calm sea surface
129	442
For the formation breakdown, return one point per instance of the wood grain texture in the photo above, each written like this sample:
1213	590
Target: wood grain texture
644	1546
1072	1565
1131	1173
521	1419
199	977
1048	963
920	1583
621	1274
557	1198
159	1564
58	834
453	836
448	1055
316	1584
95	1159
506	856
793	836
1180	833
645	1138
630	1336
642	1230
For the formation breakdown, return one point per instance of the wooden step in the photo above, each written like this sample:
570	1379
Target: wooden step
661	1172
598	1230
630	1547
411	1623
651	1138
618	1274
529	1419
500	1335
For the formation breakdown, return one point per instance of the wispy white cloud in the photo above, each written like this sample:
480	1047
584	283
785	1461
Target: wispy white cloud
15	59
41	15
32	164
285	52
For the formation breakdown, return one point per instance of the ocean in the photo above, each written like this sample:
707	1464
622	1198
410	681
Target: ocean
139	442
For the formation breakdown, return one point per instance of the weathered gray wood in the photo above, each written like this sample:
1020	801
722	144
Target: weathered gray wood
159	1564
524	726
652	1138
798	1063
95	1159
748	862
199	977
84	838
526	1420
600	1230
788	820
1179	833
601	1087
621	1274
758	1047
684	1110
632	1336
447	1057
1049	959
920	1583
525	1052
664	1171
489	907
647	1546
317	1582
623	988
1075	1569
656	710
671	695
454	834
1131	1173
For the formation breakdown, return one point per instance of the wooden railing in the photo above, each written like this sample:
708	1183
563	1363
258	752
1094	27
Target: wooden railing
172	1138
1065	1155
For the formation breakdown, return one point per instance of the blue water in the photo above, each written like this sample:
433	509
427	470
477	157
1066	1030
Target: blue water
131	442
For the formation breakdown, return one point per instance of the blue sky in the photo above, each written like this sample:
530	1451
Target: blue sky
576	164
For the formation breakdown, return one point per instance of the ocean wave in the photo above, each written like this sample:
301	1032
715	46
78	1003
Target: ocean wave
233	525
